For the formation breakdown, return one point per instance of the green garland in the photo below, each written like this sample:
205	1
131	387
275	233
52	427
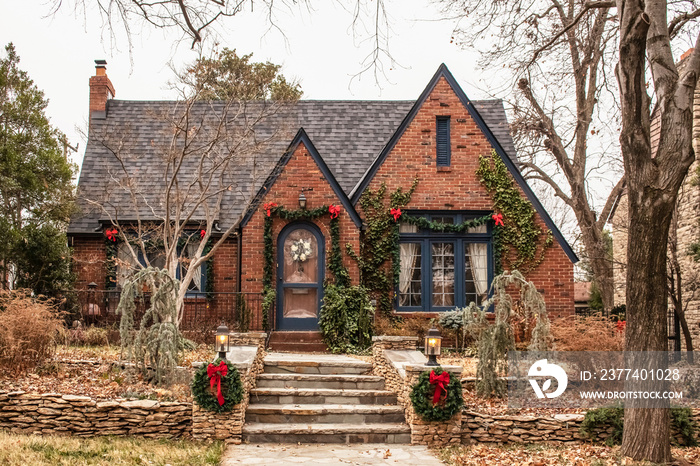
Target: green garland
231	388
422	398
519	232
423	223
335	261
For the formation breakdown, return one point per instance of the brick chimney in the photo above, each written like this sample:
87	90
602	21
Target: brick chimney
101	90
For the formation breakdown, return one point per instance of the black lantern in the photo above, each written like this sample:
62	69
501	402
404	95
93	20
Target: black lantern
222	340
302	200
433	341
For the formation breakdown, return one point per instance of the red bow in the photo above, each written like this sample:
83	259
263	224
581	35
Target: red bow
334	210
269	205
498	218
440	382
621	324
215	373
112	234
202	233
396	213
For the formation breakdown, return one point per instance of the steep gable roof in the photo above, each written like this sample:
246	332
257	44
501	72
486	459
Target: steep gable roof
508	159
302	138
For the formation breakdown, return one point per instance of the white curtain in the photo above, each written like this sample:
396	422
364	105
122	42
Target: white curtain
190	251
126	263
407	254
478	256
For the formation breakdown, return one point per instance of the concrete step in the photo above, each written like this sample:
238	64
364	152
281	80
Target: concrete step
280	396
326	433
339	381
323	414
292	363
298	341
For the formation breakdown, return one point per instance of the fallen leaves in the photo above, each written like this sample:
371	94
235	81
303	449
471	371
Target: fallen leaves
550	455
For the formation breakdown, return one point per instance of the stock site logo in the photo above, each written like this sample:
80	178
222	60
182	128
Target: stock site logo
542	369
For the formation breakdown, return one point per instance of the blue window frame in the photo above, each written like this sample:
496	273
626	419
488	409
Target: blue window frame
440	271
443	141
126	266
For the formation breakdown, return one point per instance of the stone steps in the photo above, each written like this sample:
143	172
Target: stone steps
324	414
321	398
299	341
336	381
327	433
286	363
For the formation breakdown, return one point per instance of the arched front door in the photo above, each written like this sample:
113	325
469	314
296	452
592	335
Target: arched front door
300	269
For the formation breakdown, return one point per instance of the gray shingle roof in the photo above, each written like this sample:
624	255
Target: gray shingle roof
135	138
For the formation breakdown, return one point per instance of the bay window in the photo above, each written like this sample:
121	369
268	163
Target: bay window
440	271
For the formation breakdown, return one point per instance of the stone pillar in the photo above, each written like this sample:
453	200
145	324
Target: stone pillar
432	433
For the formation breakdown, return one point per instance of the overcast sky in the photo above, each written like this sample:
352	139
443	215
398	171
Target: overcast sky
318	49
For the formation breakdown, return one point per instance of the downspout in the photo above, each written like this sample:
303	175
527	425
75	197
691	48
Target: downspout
239	233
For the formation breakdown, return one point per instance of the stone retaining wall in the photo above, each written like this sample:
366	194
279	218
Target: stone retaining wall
229	426
53	413
401	381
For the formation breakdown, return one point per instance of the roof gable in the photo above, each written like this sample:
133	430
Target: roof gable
301	138
443	72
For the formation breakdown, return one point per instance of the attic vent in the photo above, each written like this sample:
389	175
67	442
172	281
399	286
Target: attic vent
443	141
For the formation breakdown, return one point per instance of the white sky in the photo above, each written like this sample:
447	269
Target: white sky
319	51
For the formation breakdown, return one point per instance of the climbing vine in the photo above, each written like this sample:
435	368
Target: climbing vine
526	241
335	261
380	243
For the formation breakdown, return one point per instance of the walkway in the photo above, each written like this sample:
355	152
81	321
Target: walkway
328	454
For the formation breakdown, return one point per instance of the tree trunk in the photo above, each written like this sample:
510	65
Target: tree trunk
601	264
686	335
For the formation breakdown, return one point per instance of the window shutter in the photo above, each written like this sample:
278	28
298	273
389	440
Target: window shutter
443	141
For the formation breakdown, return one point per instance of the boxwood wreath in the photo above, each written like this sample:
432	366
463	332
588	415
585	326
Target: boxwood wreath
113	239
205	388
447	393
335	260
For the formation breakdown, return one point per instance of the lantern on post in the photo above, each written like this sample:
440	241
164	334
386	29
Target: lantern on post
223	340
433	341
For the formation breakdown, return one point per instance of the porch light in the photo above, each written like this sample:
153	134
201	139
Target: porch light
433	340
302	200
222	340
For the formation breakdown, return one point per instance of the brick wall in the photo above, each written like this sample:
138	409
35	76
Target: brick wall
458	187
89	256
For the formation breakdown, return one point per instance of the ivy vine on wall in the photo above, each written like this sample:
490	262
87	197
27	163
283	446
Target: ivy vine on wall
524	240
380	244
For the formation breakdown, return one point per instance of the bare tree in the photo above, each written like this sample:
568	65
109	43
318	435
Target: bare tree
654	178
166	202
560	54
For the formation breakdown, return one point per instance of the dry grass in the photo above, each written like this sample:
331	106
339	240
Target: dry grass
28	328
16	450
593	333
551	455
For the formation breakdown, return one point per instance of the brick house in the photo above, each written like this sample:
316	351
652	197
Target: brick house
332	153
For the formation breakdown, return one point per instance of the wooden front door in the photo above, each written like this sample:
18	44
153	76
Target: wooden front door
300	270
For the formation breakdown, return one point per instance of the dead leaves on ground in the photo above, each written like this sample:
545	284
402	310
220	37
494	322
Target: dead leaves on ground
543	455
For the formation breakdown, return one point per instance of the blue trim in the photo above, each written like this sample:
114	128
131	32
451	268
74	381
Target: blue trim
307	323
302	138
443	151
425	239
444	72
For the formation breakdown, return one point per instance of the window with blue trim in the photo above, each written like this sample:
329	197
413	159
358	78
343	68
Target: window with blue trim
127	265
443	141
440	271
